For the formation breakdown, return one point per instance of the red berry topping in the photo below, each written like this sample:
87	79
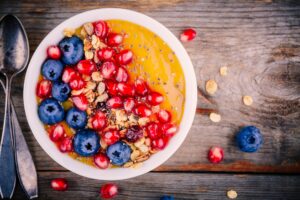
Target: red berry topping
86	67
141	87
80	102
153	130
124	57
59	184
53	52
77	82
129	104
159	143
106	53
215	154
122	75
98	120
108	190
66	145
108	70
68	74
125	89
188	35
114	39
44	88
164	116
134	133
111	137
101	161
169	130
155	98
112	87
143	110
100	28
57	132
114	102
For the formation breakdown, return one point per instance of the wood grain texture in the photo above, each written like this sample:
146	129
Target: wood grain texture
259	41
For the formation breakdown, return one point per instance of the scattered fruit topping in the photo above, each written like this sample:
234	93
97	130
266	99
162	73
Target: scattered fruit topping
108	70
106	53
211	87
141	87
153	130
124	57
129	104
114	39
109	190
114	102
43	89
125	89
66	145
119	153
249	139
112	87
134	133
101	161
223	71
68	74
188	35
77	82
164	116
57	132
80	102
215	154
86	142
111	136
98	120
122	75
169	130
215	117
155	98
50	111
167	197
159	143
143	111
231	194
59	184
53	52
100	28
86	67
52	69
248	101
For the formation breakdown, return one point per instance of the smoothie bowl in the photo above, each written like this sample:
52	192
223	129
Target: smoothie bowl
110	94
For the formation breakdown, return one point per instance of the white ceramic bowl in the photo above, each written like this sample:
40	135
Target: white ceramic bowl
33	72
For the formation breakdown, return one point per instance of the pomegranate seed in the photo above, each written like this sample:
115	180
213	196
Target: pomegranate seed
124	57
164	116
43	89
143	111
80	101
129	104
153	130
98	120
106	53
141	87
108	70
101	161
59	184
155	98
159	143
77	82
109	190
122	75
169	130
68	74
112	87
125	89
111	137
215	154
57	132
114	39
100	28
53	52
86	67
66	145
188	35
114	102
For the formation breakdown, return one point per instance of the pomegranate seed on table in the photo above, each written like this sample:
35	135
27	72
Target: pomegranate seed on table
125	89
112	87
100	28
159	143
111	136
109	190
101	161
57	132
43	89
141	87
169	130
77	82
122	75
59	184
86	67
66	145
106	53
164	116
153	130
53	52
80	102
188	35
108	70
98	120
114	39
68	74
215	154
129	104
143	110
155	98
124	57
114	102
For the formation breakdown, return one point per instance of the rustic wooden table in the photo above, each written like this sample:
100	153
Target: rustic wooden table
259	42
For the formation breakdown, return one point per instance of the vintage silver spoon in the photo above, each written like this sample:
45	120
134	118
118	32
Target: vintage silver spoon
14	55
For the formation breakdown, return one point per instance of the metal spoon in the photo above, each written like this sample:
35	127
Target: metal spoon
14	55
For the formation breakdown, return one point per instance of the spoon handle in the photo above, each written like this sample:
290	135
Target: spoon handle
7	161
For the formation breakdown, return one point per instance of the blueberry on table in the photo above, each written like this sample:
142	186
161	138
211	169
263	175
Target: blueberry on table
50	111
76	118
52	69
86	142
60	91
72	50
249	139
167	197
118	153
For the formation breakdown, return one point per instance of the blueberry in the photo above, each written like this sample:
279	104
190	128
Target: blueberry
118	153
167	197
60	91
50	111
249	139
76	118
52	69
86	142
72	50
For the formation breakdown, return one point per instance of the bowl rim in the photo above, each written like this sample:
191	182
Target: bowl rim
31	78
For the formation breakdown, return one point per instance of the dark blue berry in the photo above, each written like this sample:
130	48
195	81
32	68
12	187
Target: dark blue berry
60	91
249	139
76	118
72	50
167	197
50	111
118	153
86	142
52	69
